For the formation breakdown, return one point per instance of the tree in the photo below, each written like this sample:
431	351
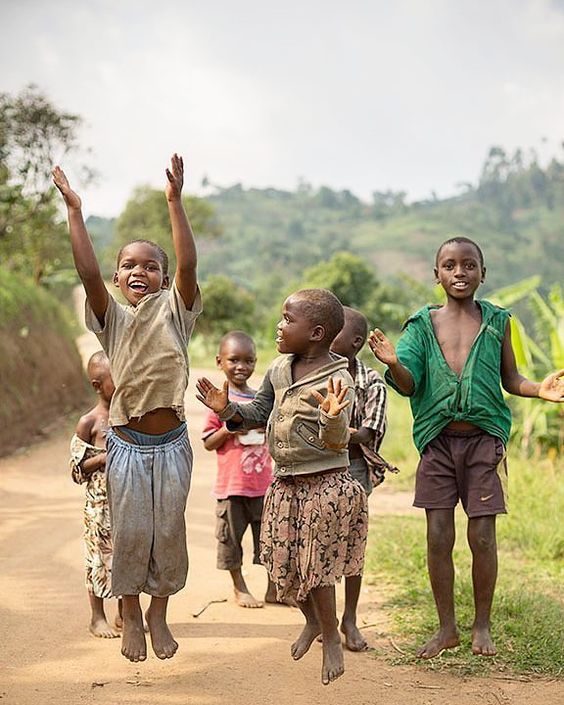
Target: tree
33	135
346	275
146	217
227	306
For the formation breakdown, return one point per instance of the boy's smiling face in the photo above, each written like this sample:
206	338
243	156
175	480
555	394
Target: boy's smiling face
294	330
459	269
237	359
140	272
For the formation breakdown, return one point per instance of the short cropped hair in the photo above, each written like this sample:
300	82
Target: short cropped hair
322	308
163	257
97	360
236	335
461	239
359	322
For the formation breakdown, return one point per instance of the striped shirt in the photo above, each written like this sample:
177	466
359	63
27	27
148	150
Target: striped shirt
369	407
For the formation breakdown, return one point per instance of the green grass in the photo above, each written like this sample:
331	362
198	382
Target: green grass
528	612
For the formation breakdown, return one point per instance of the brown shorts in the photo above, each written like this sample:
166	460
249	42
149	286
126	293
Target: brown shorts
233	516
466	465
313	531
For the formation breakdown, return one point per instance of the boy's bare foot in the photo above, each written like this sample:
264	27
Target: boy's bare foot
333	665
270	598
301	646
133	644
99	627
162	640
436	645
245	599
482	642
354	641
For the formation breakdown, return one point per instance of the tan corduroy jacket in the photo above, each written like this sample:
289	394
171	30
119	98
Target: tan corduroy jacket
302	439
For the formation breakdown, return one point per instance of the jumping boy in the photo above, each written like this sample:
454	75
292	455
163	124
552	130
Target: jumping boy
368	425
315	518
452	361
149	460
244	468
88	466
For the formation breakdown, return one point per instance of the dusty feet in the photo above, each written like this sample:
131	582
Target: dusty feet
270	598
436	645
162	640
133	644
354	641
301	646
99	627
482	642
245	599
333	665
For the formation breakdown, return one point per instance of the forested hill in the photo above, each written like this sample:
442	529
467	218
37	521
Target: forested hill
264	239
516	213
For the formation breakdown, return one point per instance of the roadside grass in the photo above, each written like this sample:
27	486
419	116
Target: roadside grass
528	611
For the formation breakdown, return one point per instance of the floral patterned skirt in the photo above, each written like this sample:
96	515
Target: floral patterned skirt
313	531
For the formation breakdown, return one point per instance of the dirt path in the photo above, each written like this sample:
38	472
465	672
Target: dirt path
227	655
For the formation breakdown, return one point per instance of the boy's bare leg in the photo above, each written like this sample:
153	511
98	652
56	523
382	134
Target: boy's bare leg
482	541
98	623
243	595
133	644
354	640
270	596
162	640
440	542
310	632
333	665
118	621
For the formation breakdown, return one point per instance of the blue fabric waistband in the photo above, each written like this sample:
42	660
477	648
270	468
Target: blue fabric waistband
148	439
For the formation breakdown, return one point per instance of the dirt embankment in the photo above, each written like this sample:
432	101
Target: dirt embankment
41	375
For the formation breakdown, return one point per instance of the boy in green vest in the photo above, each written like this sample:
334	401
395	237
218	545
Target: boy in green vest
452	362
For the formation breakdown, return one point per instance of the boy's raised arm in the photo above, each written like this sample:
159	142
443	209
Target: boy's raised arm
182	235
82	250
384	351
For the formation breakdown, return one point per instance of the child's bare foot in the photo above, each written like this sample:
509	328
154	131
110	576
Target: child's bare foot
354	641
162	640
482	642
436	645
245	599
333	665
118	622
133	644
99	627
270	598
301	646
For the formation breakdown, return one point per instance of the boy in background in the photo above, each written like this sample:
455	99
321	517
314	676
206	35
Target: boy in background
244	468
88	466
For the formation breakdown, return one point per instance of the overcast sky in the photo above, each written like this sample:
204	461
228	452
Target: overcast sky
364	95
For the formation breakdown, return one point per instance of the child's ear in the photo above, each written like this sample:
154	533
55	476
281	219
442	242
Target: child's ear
97	385
358	342
166	282
317	334
436	275
218	361
115	279
483	279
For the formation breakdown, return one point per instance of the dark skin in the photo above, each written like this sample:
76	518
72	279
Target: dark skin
92	428
237	359
308	342
456	324
140	272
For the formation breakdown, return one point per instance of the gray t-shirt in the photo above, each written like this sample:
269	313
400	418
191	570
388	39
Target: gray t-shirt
147	348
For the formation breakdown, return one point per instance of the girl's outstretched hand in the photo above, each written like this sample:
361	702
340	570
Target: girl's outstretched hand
175	176
335	400
62	183
214	398
382	348
552	387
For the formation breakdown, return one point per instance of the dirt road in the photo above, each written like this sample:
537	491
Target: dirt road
227	655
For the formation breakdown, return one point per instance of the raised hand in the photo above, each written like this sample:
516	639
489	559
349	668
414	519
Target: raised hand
62	183
214	398
335	400
552	387
175	176
382	348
